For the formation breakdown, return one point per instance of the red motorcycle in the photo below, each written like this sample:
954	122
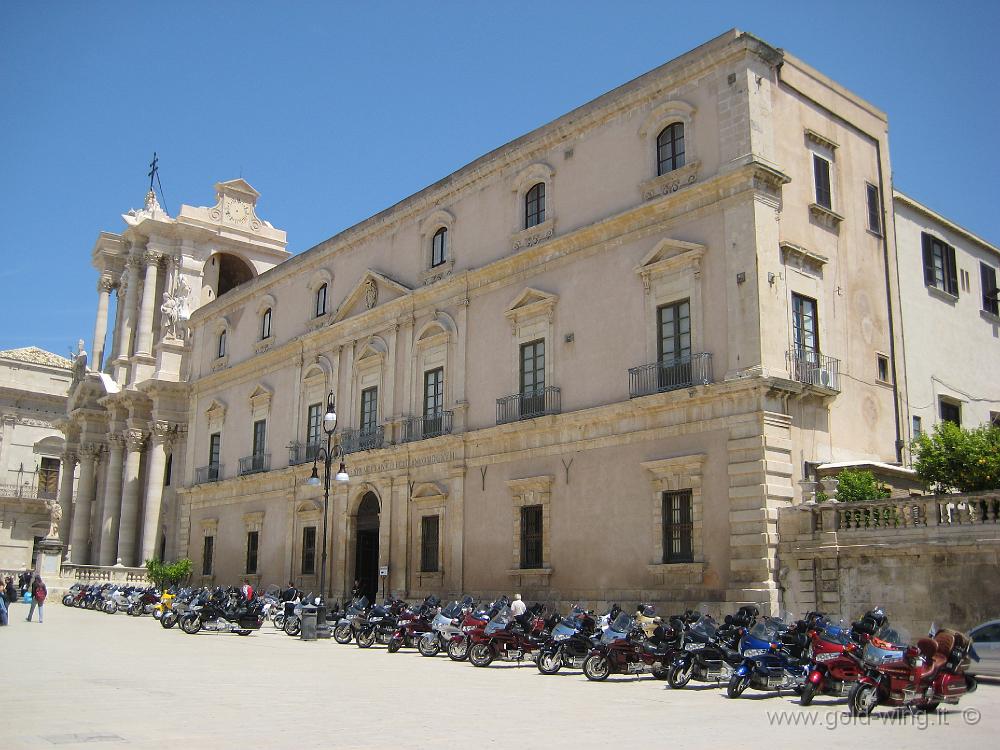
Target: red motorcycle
412	625
625	650
507	638
835	663
472	623
930	673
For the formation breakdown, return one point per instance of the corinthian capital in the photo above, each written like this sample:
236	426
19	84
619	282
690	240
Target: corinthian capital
164	432
89	451
105	284
151	257
116	441
134	439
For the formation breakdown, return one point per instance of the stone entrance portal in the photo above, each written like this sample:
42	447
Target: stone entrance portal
366	546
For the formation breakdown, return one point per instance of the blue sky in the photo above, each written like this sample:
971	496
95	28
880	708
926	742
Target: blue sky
335	111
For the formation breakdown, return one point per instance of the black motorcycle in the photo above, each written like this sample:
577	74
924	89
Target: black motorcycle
709	652
225	614
570	642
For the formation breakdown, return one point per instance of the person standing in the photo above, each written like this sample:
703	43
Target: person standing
3	607
38	594
10	590
517	607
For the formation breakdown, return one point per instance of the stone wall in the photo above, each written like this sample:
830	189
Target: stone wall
925	560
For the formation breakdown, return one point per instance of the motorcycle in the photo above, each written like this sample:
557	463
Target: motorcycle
224	615
930	673
347	626
445	625
708	652
380	623
569	644
507	638
771	658
143	603
413	625
835	662
71	593
164	605
624	649
473	623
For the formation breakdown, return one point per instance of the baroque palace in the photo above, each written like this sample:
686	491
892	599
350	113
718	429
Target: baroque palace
593	364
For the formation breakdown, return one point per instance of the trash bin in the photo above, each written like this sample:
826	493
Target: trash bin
308	632
323	626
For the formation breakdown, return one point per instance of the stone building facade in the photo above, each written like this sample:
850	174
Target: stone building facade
33	456
593	364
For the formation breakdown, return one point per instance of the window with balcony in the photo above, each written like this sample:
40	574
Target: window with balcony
259	436
48	479
678	527
533	377
308	550
433	398
940	269
670	148
805	324
531	536
429	528
369	409
314	423
673	345
253	540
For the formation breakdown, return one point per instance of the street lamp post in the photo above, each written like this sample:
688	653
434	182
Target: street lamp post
327	454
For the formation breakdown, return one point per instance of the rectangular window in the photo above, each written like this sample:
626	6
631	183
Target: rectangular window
433	393
308	550
369	409
951	411
321	300
940	270
674	331
805	325
429	544
533	377
678	528
918	427
874	209
531	536
882	368
265	324
214	448
222	345
821	175
988	280
48	479
207	555
253	539
314	419
259	436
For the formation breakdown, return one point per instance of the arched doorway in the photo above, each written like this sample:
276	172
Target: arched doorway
366	545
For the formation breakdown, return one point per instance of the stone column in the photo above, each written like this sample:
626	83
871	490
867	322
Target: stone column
147	309
161	438
66	494
80	533
127	317
111	507
101	324
454	531
129	522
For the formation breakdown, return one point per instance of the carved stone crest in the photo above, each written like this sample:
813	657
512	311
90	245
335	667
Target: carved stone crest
371	293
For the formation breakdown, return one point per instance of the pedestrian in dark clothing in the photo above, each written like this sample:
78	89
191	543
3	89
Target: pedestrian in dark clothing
38	594
9	590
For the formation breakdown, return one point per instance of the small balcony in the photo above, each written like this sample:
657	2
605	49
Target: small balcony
669	375
210	473
255	464
815	369
529	404
353	441
422	428
302	453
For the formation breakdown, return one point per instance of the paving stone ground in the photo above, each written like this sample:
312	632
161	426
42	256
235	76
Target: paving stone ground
86	679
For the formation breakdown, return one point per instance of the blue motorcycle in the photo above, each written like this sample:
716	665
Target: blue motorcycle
770	661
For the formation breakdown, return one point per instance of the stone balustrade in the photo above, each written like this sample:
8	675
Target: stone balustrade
104	573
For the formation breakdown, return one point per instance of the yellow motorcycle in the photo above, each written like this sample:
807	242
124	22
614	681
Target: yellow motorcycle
165	605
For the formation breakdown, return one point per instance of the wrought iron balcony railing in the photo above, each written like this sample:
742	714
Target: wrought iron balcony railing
26	491
255	464
301	453
210	473
428	426
353	441
668	375
815	369
529	404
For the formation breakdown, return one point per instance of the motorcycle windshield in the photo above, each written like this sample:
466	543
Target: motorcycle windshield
888	644
768	630
836	631
500	620
564	629
706	627
452	611
619	629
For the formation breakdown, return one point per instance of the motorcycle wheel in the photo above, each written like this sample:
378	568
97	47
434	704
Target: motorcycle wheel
342	634
111	608
395	644
191	625
408	641
135	610
678	677
366	639
481	655
863	699
597	668
458	650
67	600
157	614
293	626
168	620
808	693
549	663
279	622
429	646
737	685
660	672
243	632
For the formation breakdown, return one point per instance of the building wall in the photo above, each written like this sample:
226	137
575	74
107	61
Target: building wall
951	341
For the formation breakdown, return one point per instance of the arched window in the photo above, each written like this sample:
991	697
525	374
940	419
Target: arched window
670	148
534	206
265	324
221	352
321	300
439	247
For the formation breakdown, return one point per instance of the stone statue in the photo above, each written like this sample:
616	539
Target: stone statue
169	312
175	309
55	516
79	362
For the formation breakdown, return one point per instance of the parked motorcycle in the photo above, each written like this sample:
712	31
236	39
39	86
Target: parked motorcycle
569	644
624	649
223	614
347	626
445	625
835	662
507	638
770	661
709	651
930	673
412	625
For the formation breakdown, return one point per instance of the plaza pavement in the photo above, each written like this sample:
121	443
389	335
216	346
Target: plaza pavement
93	680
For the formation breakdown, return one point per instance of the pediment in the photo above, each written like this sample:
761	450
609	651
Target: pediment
428	491
260	395
670	255
531	302
372	290
374	348
216	413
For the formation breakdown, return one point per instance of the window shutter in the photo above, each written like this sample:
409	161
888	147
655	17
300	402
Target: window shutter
951	272
928	259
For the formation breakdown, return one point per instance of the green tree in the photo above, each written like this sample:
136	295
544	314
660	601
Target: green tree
859	485
164	575
951	458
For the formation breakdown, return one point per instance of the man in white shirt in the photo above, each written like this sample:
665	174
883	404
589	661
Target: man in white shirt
517	607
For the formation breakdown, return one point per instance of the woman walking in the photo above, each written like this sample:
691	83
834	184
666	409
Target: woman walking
38	594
